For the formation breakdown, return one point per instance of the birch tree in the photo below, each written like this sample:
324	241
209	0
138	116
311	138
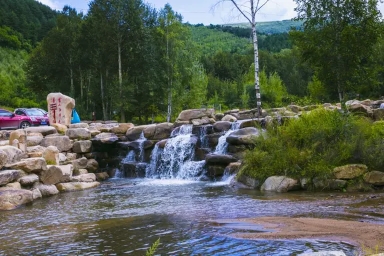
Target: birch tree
249	9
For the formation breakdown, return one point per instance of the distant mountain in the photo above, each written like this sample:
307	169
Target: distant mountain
271	27
29	18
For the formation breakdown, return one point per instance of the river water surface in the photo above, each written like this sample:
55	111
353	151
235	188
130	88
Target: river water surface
125	217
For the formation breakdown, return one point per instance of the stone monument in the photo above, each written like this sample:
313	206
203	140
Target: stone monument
60	108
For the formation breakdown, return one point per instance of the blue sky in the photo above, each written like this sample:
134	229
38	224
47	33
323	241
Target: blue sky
199	11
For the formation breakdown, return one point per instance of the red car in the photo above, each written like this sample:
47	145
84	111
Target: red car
9	120
36	115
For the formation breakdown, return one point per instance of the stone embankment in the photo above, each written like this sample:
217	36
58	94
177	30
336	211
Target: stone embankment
43	161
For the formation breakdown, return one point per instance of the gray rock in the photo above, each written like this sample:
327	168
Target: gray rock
80	163
92	165
79	125
122	128
44	130
247	182
34	139
328	184
83	146
35	164
89	177
188	115
101	176
212	159
375	178
51	155
280	184
229	118
56	174
106	138
13	154
36	194
78	134
76	186
3	158
8	176
351	171
324	253
46	190
222	126
29	180
245	136
63	143
11	199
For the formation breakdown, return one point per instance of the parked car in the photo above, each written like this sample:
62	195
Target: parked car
9	120
42	110
37	116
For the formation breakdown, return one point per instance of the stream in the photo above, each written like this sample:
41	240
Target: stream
126	216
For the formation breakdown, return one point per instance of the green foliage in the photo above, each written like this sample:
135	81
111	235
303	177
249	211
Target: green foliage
151	251
12	80
317	91
338	41
30	18
314	144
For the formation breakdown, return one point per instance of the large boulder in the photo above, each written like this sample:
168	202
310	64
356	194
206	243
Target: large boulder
351	171
92	165
101	176
35	165
83	146
280	184
13	198
244	181
60	108
222	126
245	136
13	154
21	136
212	159
46	190
136	132
78	133
56	174
76	186
34	139
29	180
63	143
44	130
80	163
105	138
51	155
122	128
188	115
3	158
328	184
375	178
9	176
229	118
35	151
89	177
361	109
79	125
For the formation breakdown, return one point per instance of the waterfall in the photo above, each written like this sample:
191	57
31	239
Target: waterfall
130	157
141	141
118	174
150	171
203	137
221	148
175	160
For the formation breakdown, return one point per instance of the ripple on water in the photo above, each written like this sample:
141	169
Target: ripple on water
127	216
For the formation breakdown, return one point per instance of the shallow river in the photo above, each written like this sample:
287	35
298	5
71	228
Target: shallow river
125	217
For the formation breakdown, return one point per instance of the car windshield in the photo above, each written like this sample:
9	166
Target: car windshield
34	112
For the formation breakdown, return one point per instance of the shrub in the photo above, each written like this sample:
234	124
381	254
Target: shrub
312	145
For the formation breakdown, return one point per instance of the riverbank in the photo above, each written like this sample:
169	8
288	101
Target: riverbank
369	237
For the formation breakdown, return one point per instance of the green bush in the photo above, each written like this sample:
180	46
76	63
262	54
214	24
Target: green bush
312	145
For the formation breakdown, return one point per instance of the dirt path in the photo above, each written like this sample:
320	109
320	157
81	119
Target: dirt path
368	236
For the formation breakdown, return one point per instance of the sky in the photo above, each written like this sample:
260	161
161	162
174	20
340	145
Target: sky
200	11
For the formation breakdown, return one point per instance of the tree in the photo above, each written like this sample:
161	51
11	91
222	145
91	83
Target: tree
249	12
338	40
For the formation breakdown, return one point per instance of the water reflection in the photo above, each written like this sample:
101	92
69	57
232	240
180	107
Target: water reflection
127	216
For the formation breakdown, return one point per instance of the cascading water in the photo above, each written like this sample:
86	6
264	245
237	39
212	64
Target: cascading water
141	141
221	148
203	137
176	159
130	157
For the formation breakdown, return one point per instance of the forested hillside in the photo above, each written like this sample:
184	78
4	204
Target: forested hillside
126	60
